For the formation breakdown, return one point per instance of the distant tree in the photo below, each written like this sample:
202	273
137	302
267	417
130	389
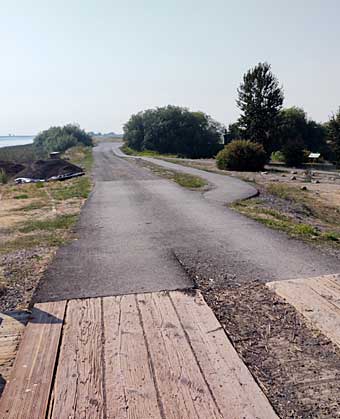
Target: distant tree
134	131
234	132
293	152
333	136
296	128
316	138
260	99
60	139
174	130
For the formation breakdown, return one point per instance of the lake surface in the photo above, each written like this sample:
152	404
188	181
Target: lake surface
16	140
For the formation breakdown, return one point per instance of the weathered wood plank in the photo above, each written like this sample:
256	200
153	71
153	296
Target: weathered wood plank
235	390
117	405
78	389
130	388
182	389
12	326
317	299
327	287
27	392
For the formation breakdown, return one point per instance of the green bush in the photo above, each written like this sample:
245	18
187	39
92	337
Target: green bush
242	155
277	156
60	139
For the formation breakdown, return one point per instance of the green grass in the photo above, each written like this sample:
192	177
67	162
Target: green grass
183	179
253	208
189	181
145	153
76	188
21	196
285	192
61	222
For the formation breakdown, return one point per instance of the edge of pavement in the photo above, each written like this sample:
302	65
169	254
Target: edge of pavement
227	189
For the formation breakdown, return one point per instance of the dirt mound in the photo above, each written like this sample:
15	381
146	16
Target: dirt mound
45	169
11	168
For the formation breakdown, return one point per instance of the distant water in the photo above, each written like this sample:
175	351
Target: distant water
16	140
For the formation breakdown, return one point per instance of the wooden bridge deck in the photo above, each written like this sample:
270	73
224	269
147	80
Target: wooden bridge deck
159	355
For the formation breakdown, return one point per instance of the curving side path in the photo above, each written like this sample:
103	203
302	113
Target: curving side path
227	189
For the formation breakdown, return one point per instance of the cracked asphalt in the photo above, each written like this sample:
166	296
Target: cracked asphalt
135	226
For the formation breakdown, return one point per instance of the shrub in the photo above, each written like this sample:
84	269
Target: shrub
60	139
277	156
242	155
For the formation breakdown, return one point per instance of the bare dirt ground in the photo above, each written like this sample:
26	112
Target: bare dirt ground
323	186
297	367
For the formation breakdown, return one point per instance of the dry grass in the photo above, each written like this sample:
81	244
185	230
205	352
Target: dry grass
40	216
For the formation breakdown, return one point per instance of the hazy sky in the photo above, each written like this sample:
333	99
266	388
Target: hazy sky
96	62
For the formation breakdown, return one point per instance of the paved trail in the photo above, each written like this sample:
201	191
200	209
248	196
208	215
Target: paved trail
135	225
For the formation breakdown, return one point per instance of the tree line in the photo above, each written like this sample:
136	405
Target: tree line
174	130
286	132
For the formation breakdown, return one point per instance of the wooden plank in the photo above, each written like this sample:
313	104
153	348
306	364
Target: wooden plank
316	300
78	389
27	392
235	390
327	287
182	389
117	405
130	388
12	326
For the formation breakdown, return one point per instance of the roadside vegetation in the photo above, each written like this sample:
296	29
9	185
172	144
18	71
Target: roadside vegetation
174	130
183	179
35	219
242	155
299	213
60	139
146	153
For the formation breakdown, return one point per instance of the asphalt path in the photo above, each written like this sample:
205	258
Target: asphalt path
223	189
135	227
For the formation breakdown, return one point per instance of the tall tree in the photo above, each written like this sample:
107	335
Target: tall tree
333	136
260	99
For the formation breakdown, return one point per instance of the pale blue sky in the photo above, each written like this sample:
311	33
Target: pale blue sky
97	62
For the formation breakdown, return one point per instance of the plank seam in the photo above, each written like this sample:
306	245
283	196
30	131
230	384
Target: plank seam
324	298
151	366
50	403
103	359
120	349
196	358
